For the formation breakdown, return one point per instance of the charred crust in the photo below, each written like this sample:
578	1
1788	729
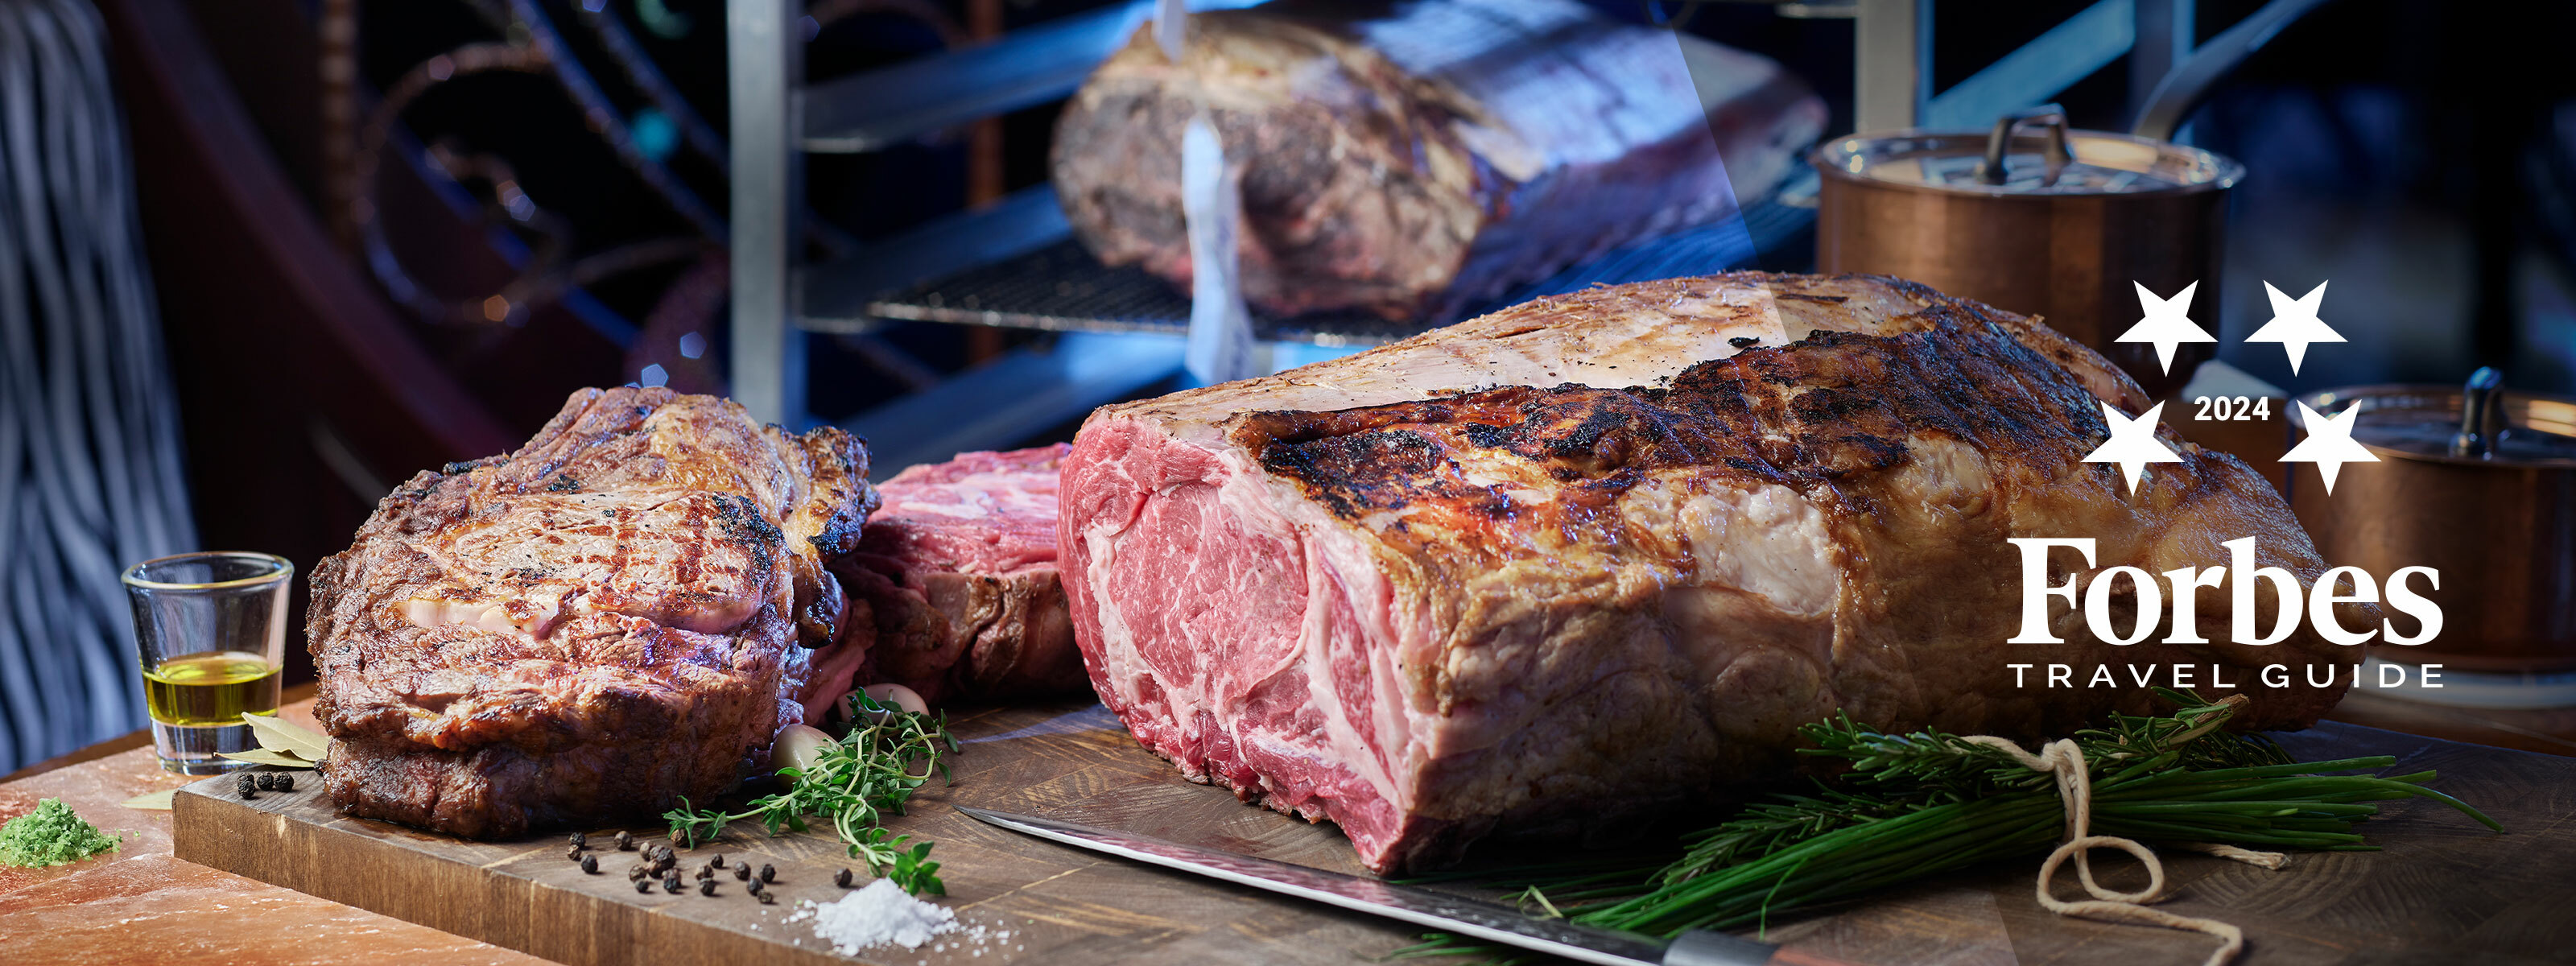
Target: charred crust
428	726
1825	415
743	520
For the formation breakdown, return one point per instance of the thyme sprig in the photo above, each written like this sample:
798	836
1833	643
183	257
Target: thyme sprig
870	773
1916	804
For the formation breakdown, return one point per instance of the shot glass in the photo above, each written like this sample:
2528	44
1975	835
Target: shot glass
210	631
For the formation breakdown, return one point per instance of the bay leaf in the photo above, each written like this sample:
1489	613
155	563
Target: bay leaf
264	756
283	736
156	801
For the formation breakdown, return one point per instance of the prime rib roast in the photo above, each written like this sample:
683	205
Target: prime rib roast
1600	554
955	578
1414	157
622	612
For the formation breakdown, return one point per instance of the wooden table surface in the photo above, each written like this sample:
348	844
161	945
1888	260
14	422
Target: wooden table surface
2444	890
140	905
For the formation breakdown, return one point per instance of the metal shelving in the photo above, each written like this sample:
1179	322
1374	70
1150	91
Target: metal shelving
881	108
1044	279
1014	263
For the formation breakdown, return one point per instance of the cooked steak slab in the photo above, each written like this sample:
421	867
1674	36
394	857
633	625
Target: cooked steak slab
956	578
1413	158
1600	554
620	613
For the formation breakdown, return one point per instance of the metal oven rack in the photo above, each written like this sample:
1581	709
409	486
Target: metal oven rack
1014	263
1057	285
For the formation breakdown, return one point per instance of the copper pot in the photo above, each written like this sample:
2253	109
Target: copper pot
2037	219
2477	483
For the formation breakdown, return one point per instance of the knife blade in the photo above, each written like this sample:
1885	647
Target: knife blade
1423	907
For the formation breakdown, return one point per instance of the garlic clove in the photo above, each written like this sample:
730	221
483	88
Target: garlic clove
898	696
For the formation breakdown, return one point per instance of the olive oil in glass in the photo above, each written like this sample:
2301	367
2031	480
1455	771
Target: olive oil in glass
210	634
211	689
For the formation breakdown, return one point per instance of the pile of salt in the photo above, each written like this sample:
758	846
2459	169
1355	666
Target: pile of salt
875	916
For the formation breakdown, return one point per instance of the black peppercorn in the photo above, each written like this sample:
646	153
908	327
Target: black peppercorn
718	861
704	874
285	783
625	842
768	874
580	841
765	898
590	864
264	782
573	854
637	873
707	887
245	788
755	886
841	878
643	885
741	872
671	884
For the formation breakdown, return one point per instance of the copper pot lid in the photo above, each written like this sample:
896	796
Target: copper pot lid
2478	424
2055	161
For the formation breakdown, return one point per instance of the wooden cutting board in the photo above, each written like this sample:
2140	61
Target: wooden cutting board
2444	890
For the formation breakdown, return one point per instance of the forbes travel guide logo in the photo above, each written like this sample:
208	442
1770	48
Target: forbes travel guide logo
2170	599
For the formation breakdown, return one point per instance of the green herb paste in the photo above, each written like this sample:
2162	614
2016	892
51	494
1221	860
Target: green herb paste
51	835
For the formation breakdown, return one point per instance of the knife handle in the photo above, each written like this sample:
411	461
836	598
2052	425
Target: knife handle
1702	948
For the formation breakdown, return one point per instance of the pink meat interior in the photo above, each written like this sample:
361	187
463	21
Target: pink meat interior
1249	656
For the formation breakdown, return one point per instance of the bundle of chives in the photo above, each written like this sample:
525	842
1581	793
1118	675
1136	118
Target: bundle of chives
1923	803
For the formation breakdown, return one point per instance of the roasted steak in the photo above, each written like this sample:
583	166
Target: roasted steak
956	579
1601	553
616	615
1415	157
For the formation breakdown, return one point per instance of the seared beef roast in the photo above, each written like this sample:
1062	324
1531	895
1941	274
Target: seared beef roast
1414	593
1412	158
616	615
955	578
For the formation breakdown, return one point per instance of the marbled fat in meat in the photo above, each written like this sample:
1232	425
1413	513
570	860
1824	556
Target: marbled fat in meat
1599	555
956	579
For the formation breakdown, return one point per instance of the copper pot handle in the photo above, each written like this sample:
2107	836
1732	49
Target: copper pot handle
2481	414
2052	120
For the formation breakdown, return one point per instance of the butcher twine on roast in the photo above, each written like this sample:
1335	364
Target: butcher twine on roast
616	615
1414	593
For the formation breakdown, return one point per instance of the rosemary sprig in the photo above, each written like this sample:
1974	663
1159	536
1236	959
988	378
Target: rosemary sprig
855	782
1921	803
